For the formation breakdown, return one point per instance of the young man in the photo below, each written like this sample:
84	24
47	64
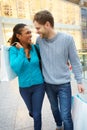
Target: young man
55	50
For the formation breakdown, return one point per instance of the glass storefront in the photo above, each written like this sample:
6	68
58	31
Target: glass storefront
84	27
67	16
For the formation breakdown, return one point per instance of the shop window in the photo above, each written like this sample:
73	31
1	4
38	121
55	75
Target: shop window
0	8
21	13
84	26
74	1
7	10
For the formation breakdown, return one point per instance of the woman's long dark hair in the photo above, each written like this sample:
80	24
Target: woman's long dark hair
17	30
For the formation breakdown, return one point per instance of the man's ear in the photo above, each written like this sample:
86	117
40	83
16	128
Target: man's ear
47	24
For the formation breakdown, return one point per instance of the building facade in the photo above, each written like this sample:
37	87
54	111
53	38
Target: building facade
67	17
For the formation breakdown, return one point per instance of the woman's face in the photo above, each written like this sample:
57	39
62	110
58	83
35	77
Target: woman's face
25	36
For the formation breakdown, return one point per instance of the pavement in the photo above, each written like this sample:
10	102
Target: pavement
14	114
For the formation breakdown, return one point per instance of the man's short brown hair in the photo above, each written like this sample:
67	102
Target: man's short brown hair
43	16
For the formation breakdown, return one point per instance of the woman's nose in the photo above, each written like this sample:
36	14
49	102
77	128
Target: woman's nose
30	35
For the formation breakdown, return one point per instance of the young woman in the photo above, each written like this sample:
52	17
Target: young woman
25	62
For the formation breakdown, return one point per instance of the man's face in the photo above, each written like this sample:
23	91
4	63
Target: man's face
41	29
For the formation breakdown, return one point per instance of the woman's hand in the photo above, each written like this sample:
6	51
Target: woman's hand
18	45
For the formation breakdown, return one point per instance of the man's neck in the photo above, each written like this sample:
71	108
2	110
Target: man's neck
51	34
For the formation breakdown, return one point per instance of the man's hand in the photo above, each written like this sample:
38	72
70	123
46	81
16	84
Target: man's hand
81	88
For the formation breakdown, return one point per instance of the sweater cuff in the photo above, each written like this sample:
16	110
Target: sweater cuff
79	81
21	50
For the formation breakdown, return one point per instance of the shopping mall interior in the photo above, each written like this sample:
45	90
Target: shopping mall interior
72	19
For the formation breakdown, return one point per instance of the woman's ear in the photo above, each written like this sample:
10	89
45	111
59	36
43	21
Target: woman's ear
18	36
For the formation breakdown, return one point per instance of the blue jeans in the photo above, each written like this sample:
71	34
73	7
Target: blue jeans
60	100
33	97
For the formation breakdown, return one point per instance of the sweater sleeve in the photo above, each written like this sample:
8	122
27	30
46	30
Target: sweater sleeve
75	61
16	59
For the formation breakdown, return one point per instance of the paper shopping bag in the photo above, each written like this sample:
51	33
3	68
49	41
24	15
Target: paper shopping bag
7	73
79	112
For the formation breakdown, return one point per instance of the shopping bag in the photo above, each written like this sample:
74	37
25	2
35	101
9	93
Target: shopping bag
7	73
79	112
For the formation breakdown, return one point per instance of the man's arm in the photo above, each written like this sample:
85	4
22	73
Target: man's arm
76	65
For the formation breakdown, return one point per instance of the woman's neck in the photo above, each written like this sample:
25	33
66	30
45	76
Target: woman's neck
27	49
26	46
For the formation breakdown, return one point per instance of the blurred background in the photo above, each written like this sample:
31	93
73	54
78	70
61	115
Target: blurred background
70	16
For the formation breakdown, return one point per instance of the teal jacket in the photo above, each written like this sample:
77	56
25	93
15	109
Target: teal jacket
28	72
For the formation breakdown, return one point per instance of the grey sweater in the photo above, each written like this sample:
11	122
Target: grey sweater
54	55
